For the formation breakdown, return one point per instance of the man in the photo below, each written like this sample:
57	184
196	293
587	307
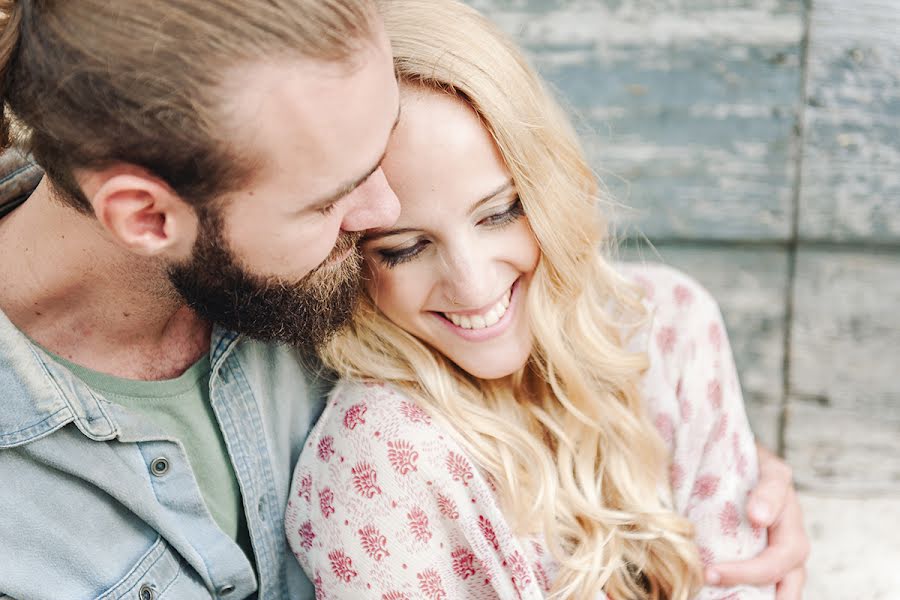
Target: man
205	161
166	128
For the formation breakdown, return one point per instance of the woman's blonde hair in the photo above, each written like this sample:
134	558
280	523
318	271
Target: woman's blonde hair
565	440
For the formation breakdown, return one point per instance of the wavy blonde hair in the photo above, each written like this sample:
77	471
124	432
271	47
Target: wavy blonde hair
565	440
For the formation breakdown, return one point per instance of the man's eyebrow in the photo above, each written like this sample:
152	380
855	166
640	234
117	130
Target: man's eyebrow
349	187
381	233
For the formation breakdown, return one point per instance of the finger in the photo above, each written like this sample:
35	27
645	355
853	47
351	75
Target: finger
768	567
767	501
787	550
791	587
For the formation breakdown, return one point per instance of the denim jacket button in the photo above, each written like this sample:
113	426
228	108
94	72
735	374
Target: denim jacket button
226	589
146	593
159	467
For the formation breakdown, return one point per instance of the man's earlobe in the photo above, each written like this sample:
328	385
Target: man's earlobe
142	213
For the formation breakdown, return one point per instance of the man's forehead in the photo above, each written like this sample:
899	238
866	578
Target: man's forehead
347	188
321	133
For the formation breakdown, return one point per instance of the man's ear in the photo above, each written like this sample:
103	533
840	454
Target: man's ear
141	212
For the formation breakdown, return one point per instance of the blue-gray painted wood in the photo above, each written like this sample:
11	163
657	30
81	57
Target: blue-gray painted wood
842	452
688	109
851	150
845	335
842	431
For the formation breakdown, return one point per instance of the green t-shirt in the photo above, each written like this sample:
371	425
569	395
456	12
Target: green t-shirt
181	408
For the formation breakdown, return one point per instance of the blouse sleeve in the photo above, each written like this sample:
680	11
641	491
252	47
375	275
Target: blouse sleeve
695	401
384	505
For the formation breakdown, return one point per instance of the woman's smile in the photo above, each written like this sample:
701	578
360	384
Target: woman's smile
483	324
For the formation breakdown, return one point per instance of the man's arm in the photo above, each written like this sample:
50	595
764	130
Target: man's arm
773	504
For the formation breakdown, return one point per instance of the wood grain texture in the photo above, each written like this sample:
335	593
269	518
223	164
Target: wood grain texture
851	152
687	109
842	451
749	285
845	350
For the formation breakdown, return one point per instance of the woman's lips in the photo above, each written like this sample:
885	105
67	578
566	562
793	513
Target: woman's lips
489	331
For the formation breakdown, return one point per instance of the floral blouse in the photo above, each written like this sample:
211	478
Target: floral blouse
386	505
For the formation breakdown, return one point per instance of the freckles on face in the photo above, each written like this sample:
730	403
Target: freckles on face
455	269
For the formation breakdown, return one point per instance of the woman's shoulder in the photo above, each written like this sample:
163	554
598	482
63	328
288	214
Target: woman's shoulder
371	421
354	403
690	367
385	500
668	290
683	315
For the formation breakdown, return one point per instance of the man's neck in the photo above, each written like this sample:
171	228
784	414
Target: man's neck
69	288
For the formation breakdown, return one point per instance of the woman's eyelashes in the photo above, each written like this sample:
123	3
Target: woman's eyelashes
509	214
392	257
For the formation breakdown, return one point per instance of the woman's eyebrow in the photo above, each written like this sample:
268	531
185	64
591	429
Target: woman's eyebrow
380	233
506	186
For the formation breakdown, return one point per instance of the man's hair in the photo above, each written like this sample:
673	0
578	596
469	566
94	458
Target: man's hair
88	83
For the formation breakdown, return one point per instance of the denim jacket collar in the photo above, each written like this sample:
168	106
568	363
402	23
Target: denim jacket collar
42	396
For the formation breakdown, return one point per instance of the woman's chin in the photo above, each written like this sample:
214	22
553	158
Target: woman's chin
493	367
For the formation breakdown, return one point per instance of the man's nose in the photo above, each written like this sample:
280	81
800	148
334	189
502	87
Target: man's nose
374	205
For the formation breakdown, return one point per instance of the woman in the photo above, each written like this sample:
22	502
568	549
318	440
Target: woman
517	417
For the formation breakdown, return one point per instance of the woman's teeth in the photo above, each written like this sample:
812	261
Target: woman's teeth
494	314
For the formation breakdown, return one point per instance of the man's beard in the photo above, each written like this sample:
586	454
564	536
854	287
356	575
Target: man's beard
304	313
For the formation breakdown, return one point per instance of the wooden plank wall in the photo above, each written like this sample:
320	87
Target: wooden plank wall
757	144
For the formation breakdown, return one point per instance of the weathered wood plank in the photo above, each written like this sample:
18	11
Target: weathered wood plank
687	109
750	285
843	421
765	421
845	349
851	165
842	451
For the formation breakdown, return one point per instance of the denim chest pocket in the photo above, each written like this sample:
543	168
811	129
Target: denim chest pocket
160	574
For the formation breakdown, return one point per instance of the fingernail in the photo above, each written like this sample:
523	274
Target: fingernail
712	576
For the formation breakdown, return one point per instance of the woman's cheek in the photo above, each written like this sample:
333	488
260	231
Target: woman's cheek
383	285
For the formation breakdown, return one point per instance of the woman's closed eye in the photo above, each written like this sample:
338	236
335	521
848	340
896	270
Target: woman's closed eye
510	213
391	257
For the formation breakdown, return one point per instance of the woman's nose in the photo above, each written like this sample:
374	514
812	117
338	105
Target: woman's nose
468	281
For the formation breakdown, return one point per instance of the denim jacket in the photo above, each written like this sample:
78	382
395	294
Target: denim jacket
96	502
